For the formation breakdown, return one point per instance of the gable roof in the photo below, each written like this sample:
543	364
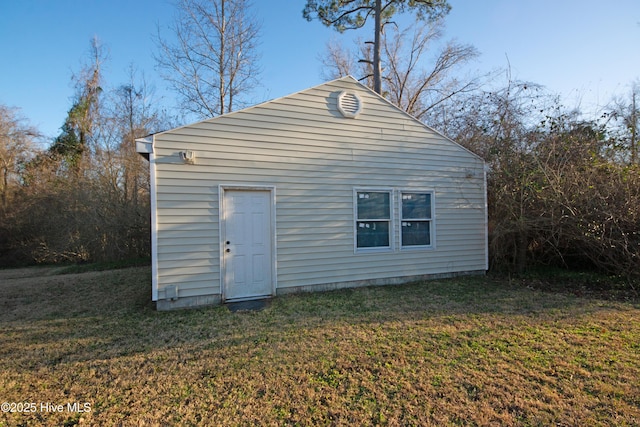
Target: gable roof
144	146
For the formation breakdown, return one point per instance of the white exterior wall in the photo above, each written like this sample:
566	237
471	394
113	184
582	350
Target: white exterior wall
314	157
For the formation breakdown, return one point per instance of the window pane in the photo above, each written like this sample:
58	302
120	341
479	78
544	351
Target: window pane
372	234
416	205
416	233
372	205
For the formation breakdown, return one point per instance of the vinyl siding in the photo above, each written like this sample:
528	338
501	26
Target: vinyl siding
314	157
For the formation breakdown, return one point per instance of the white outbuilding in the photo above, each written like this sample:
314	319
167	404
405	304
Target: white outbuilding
327	188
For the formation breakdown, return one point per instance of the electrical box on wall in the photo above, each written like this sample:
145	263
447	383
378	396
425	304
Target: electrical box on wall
188	157
171	292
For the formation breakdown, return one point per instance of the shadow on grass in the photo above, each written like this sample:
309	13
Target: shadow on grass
104	314
353	356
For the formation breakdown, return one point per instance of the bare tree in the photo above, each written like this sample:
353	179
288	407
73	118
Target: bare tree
626	112
17	144
408	80
417	89
337	61
353	14
124	175
212	61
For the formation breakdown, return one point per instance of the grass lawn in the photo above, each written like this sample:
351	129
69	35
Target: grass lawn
465	351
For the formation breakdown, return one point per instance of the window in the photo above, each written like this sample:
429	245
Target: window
416	219
385	217
373	219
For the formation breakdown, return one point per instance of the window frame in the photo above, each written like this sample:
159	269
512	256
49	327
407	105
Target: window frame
390	221
431	220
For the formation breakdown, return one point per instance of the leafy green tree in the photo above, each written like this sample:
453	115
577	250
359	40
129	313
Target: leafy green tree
351	14
78	128
67	146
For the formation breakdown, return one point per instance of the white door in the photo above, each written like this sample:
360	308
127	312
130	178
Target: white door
247	244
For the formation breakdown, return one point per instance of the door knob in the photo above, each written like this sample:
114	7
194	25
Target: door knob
228	250
228	242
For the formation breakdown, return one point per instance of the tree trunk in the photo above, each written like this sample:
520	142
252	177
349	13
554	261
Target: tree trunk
521	251
5	184
221	65
377	69
634	129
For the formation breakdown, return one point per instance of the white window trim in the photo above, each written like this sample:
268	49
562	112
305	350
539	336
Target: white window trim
392	226
432	220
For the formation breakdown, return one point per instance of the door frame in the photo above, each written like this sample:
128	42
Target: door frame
222	189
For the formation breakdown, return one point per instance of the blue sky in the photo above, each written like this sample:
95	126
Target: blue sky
584	50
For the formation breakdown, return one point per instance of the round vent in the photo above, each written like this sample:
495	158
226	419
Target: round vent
349	104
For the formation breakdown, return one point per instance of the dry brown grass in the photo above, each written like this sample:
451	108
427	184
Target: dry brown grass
472	351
